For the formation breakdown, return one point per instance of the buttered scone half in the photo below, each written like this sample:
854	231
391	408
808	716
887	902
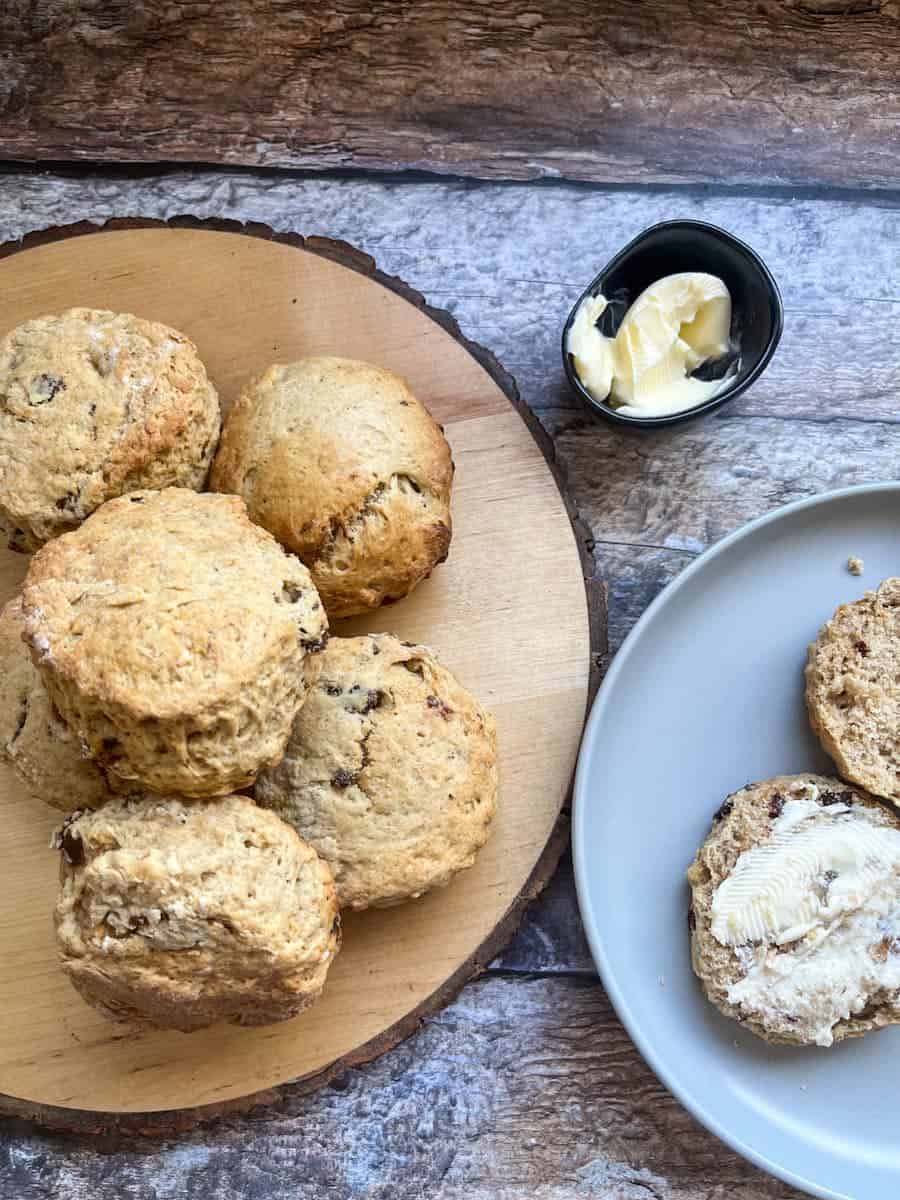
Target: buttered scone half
176	638
34	739
346	467
94	404
390	771
795	912
853	690
177	914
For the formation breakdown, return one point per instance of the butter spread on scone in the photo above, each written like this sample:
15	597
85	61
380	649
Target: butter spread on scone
805	910
176	638
346	467
177	914
34	739
94	404
828	879
390	771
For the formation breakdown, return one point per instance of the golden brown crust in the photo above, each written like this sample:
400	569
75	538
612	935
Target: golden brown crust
177	914
390	772
34	739
176	638
341	462
742	822
853	690
94	404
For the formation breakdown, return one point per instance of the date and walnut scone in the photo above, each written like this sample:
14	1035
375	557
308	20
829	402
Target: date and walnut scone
390	772
795	911
341	462
178	914
176	638
853	690
34	739
94	404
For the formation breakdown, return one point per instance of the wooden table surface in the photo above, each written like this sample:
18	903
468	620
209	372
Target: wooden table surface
753	91
775	120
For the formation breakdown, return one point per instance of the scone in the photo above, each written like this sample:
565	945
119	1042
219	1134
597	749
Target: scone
853	690
341	462
33	738
795	912
94	404
178	914
176	638
390	772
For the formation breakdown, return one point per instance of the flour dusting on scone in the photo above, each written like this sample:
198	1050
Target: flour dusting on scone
795	913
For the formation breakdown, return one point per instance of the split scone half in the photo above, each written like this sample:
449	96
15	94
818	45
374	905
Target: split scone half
795	911
853	690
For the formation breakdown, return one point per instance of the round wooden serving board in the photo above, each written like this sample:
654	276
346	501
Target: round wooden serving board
508	613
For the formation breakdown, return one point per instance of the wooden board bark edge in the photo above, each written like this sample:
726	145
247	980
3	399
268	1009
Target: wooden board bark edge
167	1123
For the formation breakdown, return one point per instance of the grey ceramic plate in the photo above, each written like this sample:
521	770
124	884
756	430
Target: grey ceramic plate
705	695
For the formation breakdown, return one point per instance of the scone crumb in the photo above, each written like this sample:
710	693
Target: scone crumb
855	565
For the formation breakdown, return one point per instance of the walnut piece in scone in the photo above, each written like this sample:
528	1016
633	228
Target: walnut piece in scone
94	404
176	638
390	771
177	914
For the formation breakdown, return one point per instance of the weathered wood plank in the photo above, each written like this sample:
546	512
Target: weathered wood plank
520	1088
749	92
686	487
471	241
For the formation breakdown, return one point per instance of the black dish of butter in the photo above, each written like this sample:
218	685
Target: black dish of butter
757	312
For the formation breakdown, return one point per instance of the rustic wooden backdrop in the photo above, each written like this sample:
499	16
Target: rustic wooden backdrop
775	119
752	91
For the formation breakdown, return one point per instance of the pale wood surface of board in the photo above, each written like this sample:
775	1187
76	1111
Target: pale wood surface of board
755	91
507	613
527	1086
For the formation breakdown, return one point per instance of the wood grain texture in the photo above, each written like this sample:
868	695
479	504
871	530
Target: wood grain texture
523	1088
508	262
757	91
508	613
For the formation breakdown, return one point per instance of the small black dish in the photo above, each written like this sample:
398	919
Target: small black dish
757	313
